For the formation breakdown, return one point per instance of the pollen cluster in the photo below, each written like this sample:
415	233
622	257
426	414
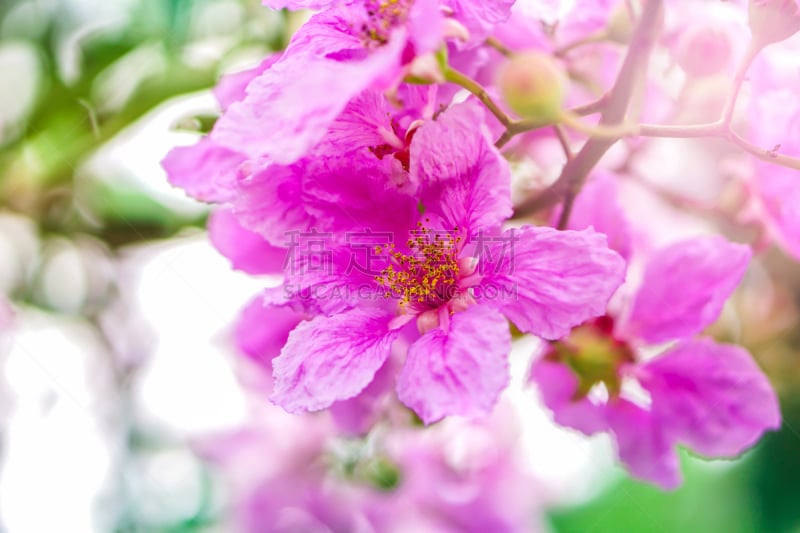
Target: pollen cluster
384	15
427	274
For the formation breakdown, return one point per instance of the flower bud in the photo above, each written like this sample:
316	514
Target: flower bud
704	51
533	85
772	21
619	27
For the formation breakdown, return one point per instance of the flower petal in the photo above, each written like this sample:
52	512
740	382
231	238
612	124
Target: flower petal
204	170
357	415
326	282
262	330
558	385
712	397
684	288
290	106
642	444
548	281
479	16
460	371
246	250
326	193
331	358
464	178
231	87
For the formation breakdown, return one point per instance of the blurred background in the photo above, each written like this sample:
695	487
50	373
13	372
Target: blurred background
117	361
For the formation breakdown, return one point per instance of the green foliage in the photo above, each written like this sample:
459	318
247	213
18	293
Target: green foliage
710	501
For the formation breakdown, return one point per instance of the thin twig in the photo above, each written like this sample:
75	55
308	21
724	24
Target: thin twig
577	169
596	37
566	211
753	50
561	135
721	131
476	89
503	140
770	156
520	126
712	129
591	108
500	47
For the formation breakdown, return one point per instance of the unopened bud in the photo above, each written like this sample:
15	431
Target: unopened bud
621	20
772	21
533	85
704	51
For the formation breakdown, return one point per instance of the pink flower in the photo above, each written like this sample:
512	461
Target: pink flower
454	280
331	59
337	55
707	396
295	473
280	110
464	477
247	251
280	478
206	170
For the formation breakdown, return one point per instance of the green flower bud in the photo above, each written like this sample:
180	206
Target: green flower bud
533	85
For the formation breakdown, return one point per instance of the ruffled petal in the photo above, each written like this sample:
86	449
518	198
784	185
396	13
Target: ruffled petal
290	106
325	193
548	281
425	26
331	281
558	387
270	203
460	371
371	121
642	444
262	330
204	170
246	250
357	415
480	17
712	397
331	358
231	88
464	178
684	288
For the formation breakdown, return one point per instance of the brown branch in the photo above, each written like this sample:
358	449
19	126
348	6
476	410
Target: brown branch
561	135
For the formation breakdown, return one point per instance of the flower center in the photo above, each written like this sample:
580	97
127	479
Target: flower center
382	17
426	275
594	355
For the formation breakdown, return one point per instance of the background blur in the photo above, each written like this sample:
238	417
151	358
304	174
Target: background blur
118	359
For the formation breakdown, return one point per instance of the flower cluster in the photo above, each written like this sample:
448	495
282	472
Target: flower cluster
373	166
457	477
